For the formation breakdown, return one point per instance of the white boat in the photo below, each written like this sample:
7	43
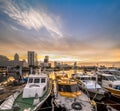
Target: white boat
31	97
69	96
89	85
112	71
110	83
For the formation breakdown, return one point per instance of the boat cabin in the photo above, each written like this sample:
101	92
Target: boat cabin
68	88
108	80
84	77
114	72
88	81
37	84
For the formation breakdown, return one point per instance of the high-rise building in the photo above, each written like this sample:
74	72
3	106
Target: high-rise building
46	59
32	58
75	65
16	57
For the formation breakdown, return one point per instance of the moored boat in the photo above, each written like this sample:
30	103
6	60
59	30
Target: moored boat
110	83
90	86
112	71
31	97
69	96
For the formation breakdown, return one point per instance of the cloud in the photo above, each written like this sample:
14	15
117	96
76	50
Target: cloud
15	28
31	18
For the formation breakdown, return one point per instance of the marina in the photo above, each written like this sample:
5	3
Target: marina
58	93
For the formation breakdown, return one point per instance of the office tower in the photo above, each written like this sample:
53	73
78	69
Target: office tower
16	57
46	61
32	58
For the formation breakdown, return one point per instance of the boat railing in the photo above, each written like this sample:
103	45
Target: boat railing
8	103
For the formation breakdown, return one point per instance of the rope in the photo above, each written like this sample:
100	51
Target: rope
52	104
115	104
83	88
45	108
95	95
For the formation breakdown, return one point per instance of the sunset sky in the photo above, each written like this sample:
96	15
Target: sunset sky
66	30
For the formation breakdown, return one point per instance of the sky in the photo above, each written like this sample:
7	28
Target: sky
66	30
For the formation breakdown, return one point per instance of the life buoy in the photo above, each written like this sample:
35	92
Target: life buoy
76	106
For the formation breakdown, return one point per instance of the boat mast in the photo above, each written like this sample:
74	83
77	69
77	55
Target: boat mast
31	70
20	71
39	70
96	76
63	68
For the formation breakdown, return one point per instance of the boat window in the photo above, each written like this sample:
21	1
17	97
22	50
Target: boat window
93	78
30	80
82	78
42	80
111	78
37	80
104	78
78	78
68	88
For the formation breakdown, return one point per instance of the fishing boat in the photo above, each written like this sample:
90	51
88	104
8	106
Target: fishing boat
31	97
88	83
110	83
69	96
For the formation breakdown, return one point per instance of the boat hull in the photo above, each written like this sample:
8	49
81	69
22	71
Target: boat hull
93	94
96	96
113	91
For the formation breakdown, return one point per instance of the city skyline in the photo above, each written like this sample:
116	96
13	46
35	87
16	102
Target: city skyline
66	30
